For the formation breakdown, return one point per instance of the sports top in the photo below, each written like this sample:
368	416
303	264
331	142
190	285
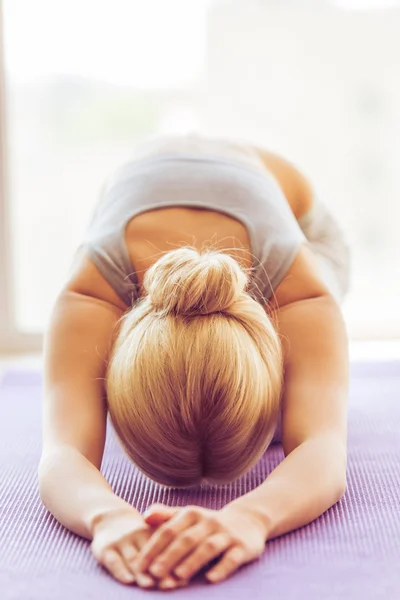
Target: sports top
226	183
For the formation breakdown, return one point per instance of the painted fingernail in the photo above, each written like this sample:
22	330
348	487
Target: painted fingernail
212	576
129	577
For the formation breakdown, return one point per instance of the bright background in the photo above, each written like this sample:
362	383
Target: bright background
317	81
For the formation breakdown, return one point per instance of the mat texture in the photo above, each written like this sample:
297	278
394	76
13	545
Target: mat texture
352	552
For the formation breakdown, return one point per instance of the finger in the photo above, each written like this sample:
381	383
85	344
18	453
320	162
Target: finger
171	582
129	554
163	536
183	544
144	580
142	537
114	563
132	552
160	508
156	518
209	549
232	559
160	513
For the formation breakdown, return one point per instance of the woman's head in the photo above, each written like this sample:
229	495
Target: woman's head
195	374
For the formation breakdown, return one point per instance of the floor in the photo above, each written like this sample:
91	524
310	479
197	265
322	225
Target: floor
351	552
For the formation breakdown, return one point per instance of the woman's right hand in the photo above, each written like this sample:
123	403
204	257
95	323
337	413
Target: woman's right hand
118	536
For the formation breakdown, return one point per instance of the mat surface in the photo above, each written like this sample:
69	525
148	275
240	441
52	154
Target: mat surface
352	552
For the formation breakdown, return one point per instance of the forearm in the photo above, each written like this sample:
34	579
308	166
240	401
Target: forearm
311	479
75	491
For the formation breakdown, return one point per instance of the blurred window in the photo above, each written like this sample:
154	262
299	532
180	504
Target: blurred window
87	81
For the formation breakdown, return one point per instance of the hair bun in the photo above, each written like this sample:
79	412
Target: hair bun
188	282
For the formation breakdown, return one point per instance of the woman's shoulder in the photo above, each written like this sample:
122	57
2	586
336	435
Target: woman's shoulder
294	184
85	278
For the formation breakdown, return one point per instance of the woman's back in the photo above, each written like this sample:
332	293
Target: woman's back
193	143
204	190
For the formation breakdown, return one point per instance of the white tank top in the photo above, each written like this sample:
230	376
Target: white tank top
193	170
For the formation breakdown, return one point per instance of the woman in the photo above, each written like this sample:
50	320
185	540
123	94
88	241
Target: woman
202	311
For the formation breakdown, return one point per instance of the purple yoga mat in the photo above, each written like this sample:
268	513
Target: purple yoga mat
352	552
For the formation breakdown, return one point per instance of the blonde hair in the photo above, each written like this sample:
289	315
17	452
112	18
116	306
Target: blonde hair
194	377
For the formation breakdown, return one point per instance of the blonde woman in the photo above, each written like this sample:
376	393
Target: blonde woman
202	311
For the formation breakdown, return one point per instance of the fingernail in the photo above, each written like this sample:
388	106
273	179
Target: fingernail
182	571
168	583
145	580
157	570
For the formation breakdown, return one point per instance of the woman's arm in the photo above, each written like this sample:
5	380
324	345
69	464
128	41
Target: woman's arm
76	347
77	344
312	477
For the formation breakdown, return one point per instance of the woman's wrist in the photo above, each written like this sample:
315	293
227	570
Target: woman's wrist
258	514
114	506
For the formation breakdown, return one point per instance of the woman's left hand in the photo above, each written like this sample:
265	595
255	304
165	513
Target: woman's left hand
191	536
